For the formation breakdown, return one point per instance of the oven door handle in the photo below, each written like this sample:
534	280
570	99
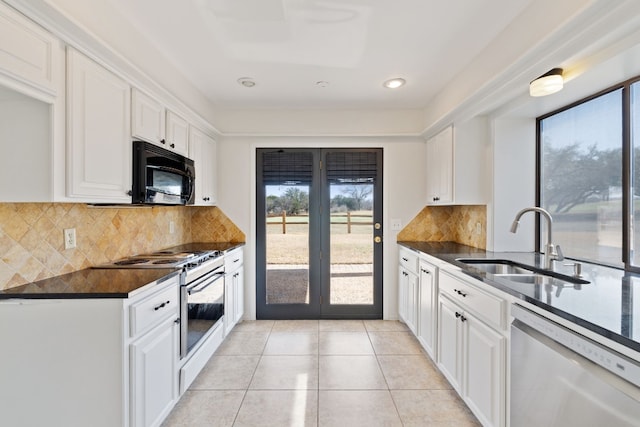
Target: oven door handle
193	289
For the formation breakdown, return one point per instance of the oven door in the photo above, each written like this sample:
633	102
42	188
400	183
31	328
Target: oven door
202	308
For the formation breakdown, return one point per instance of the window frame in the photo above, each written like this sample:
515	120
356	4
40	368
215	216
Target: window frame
627	159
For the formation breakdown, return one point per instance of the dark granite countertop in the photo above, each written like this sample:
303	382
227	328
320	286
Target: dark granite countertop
106	283
91	283
605	306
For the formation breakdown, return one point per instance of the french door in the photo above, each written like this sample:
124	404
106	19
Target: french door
319	233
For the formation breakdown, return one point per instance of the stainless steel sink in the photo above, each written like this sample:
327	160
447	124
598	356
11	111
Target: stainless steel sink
521	273
500	268
531	278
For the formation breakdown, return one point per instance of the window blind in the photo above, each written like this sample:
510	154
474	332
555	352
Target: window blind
351	167
287	168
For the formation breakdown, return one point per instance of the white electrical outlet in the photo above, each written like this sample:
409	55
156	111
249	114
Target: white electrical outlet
478	228
69	238
396	224
172	227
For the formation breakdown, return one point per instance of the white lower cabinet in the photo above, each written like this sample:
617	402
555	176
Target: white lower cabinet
154	379
472	354
99	362
484	371
408	294
450	342
408	289
463	325
234	289
427	307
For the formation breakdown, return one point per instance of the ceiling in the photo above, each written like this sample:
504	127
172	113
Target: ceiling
287	46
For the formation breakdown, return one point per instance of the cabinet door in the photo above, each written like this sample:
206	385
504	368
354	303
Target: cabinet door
449	341
229	304
239	293
98	137
427	308
147	121
403	290
440	167
177	134
413	290
28	52
202	149
484	365
154	375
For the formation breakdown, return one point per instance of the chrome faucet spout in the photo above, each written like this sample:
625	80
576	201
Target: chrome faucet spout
552	252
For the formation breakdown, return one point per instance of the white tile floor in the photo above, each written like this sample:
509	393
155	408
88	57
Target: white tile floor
290	373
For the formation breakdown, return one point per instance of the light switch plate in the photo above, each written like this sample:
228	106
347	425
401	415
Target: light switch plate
396	224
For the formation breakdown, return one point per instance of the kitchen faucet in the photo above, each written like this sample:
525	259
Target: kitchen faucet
552	252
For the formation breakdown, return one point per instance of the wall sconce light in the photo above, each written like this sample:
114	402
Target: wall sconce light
548	83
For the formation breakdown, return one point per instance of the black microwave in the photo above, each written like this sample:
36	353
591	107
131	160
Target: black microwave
161	177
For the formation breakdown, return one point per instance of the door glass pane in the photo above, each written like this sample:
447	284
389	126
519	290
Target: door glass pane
351	176
581	178
635	173
351	243
287	244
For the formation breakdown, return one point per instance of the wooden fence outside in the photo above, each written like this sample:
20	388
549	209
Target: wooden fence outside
349	222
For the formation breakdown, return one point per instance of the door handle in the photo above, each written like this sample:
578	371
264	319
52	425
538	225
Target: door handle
377	239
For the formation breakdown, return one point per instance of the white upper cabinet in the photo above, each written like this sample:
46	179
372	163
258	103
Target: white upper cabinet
440	167
177	133
202	149
98	133
28	53
457	164
152	122
147	117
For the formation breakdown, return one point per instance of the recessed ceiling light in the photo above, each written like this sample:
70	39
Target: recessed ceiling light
247	81
394	83
322	83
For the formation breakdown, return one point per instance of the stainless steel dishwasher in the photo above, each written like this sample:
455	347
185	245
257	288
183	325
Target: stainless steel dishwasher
561	378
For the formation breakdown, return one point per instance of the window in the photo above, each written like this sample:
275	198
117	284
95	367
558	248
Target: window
588	179
581	177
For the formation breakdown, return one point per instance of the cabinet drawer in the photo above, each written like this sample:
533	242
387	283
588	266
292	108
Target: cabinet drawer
488	307
408	259
154	309
233	260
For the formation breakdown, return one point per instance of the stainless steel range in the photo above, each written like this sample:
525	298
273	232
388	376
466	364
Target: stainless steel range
201	289
167	258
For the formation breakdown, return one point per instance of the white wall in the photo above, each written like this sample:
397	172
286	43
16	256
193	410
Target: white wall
403	194
514	184
334	122
26	169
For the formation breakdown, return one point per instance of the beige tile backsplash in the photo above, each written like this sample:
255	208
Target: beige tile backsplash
32	244
448	224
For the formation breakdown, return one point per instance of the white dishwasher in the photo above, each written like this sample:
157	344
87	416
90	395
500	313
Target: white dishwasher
560	378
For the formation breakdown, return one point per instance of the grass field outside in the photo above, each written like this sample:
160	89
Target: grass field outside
293	247
288	258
